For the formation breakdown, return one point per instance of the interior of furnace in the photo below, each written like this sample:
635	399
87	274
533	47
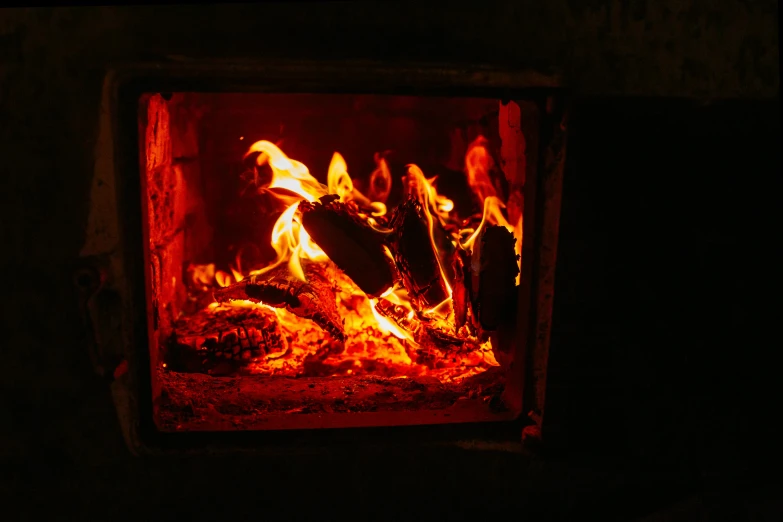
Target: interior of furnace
322	260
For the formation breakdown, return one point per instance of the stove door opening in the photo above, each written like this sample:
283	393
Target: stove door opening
323	260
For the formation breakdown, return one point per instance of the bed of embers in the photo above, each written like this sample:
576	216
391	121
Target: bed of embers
361	309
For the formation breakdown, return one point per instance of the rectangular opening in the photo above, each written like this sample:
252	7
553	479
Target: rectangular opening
332	260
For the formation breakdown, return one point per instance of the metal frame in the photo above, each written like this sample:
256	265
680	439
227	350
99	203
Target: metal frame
125	272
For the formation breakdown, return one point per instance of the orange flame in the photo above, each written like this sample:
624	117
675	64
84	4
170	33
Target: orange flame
202	274
492	215
337	179
478	164
289	239
429	198
424	191
380	180
339	182
387	326
222	278
292	243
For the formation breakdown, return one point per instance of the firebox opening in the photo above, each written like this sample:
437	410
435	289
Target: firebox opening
322	260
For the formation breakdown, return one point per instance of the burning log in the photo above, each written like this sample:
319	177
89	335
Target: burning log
415	257
314	299
494	272
400	315
222	339
351	243
424	333
459	295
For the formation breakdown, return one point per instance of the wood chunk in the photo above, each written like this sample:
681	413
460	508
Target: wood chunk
349	242
416	260
424	333
399	315
497	272
202	342
314	299
459	295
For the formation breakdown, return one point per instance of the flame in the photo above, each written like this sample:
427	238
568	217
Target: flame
372	337
478	164
424	191
443	309
492	215
289	238
380	180
430	200
287	173
223	279
387	326
338	180
202	274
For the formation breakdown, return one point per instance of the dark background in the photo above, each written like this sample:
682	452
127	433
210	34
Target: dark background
662	390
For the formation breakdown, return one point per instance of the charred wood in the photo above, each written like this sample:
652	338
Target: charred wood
400	316
414	256
494	272
222	340
424	333
350	243
313	299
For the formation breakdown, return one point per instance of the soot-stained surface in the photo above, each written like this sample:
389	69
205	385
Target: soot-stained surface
203	402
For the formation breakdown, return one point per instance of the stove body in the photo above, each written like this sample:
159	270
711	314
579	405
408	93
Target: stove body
533	120
666	255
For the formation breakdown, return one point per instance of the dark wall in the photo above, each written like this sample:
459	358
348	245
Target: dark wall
58	434
668	285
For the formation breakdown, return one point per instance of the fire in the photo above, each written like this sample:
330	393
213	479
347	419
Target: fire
289	239
478	164
431	201
493	215
372	337
387	326
425	192
339	182
287	173
380	180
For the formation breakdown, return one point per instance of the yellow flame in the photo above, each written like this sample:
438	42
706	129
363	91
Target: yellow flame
287	173
493	216
430	198
309	249
442	310
222	278
339	182
202	274
380	180
289	239
337	179
387	326
478	164
424	191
